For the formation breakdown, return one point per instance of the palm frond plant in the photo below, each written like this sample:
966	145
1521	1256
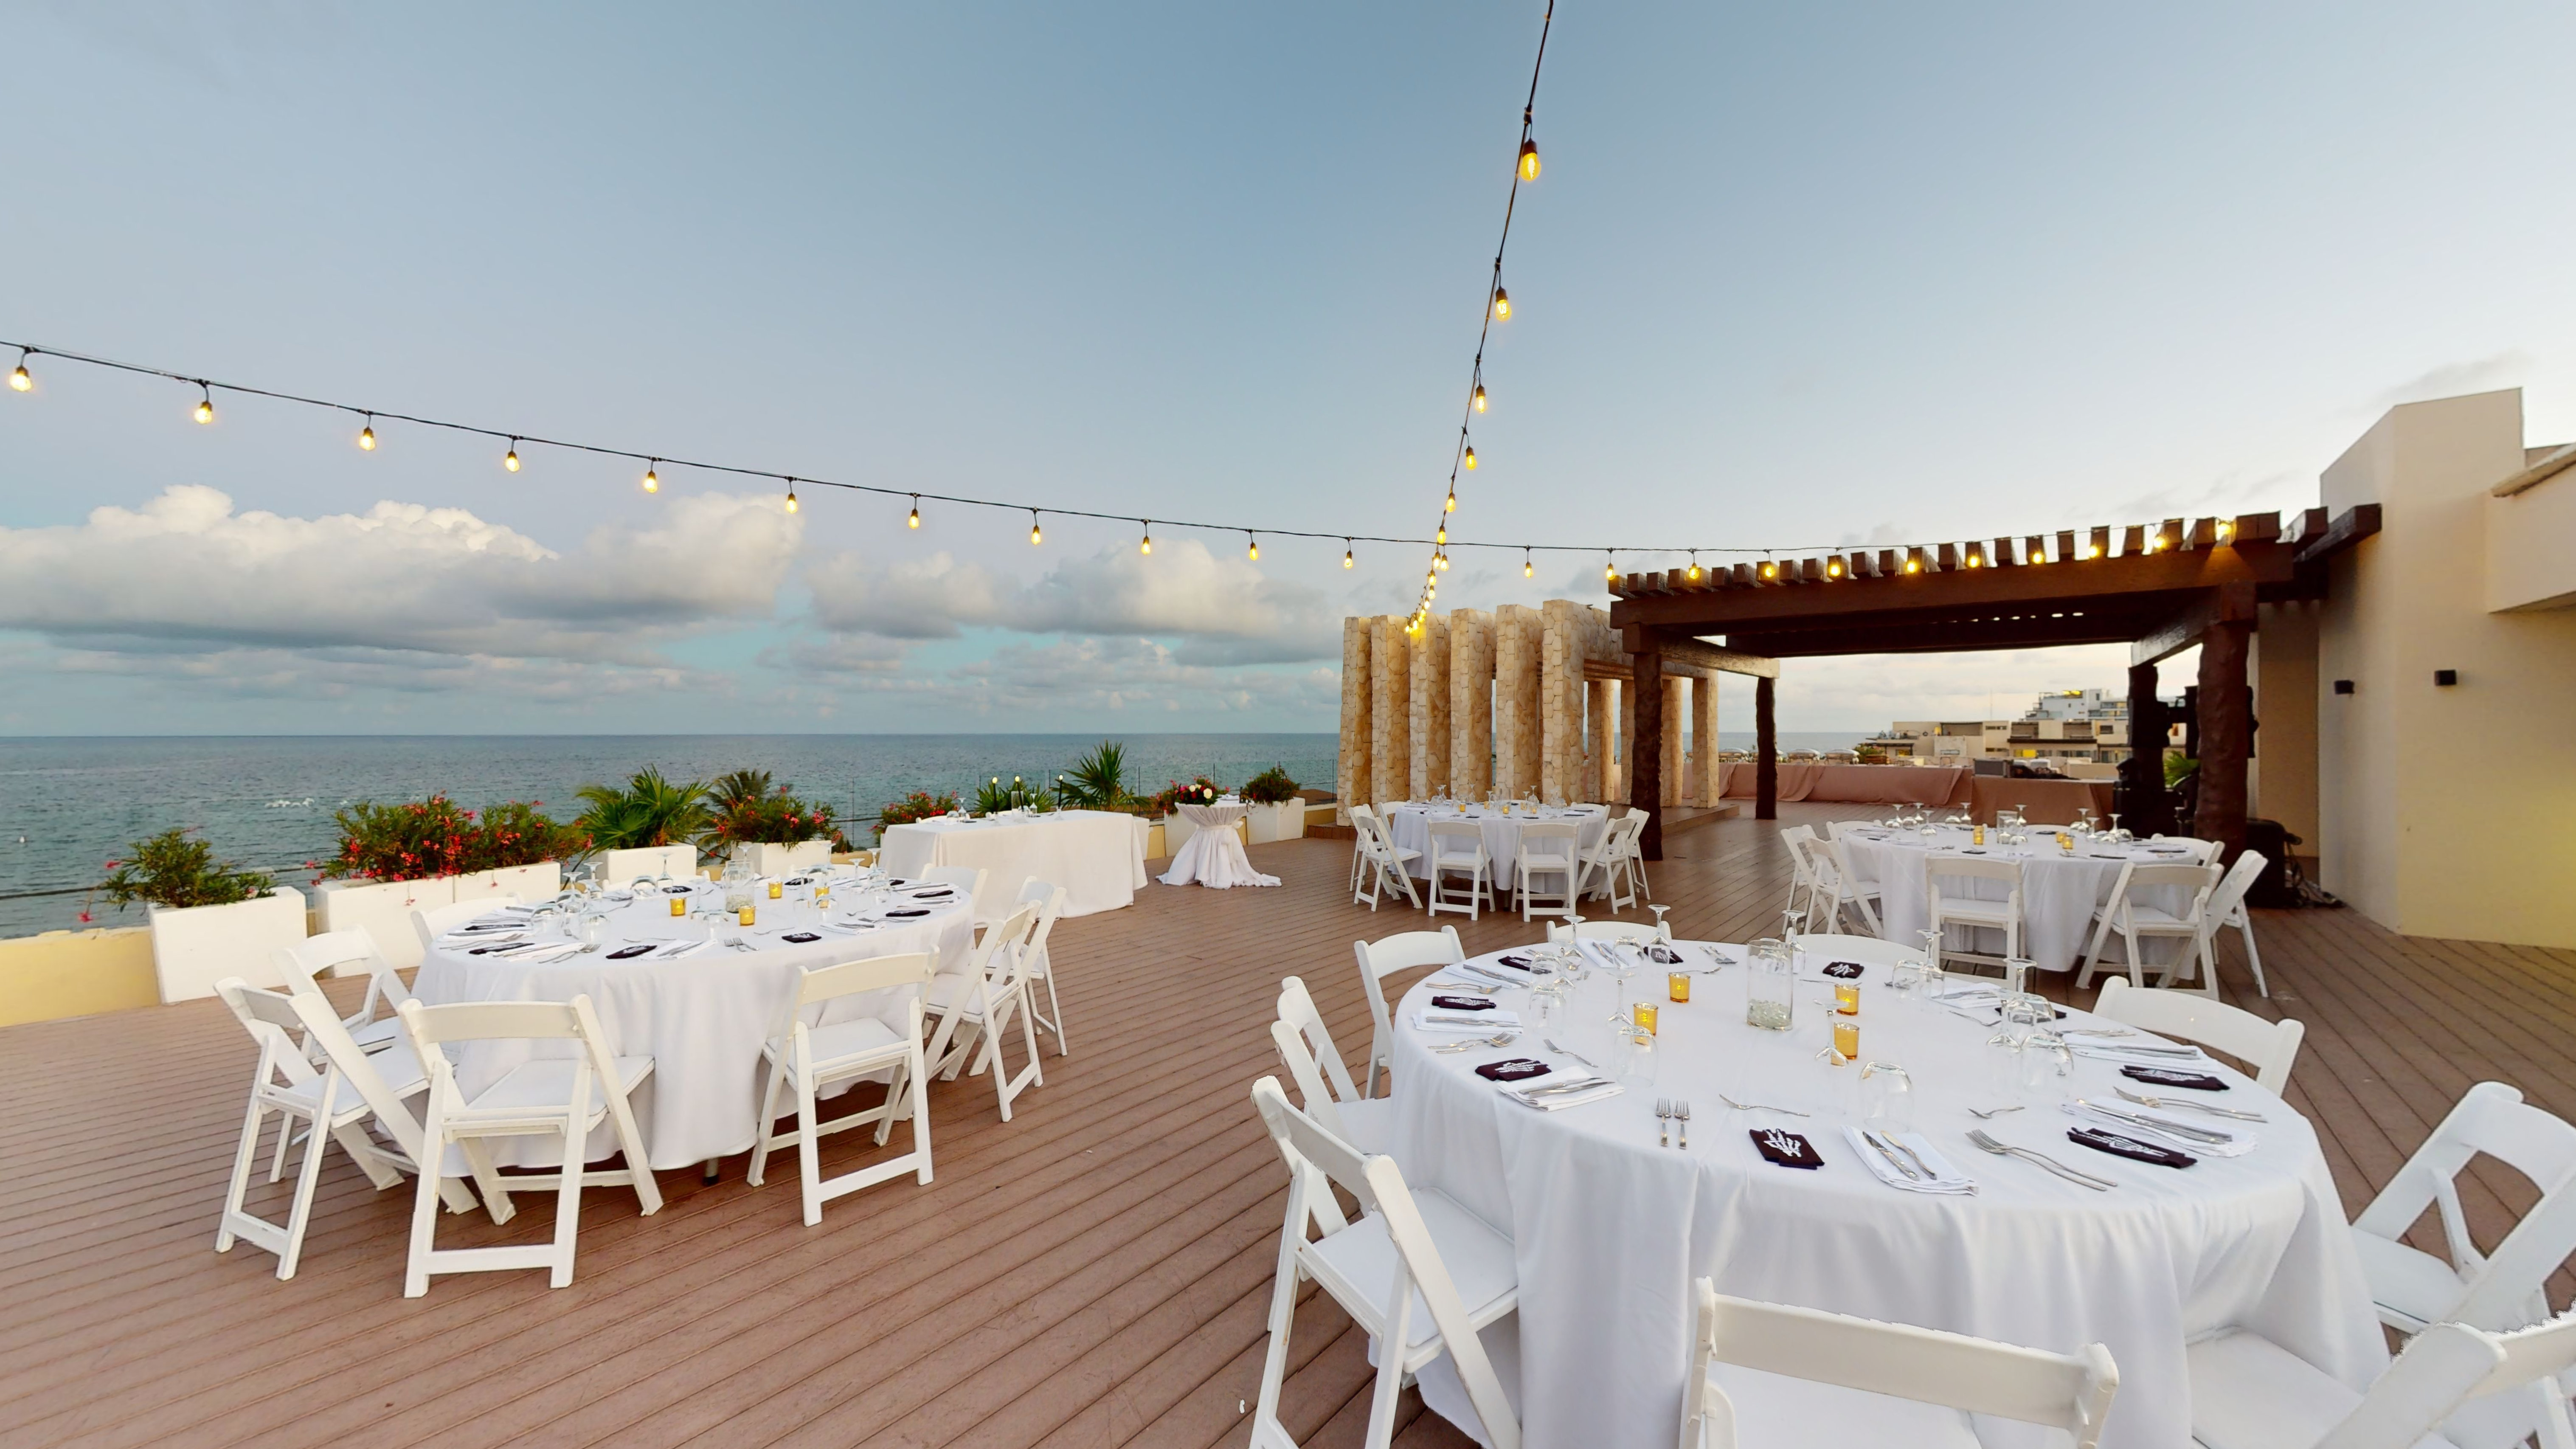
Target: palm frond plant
650	810
773	817
736	788
993	797
1098	780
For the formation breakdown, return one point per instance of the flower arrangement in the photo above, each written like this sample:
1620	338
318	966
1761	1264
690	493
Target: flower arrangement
1270	787
171	870
416	839
1202	791
919	805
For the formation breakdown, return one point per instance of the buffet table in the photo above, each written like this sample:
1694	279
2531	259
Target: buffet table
1097	856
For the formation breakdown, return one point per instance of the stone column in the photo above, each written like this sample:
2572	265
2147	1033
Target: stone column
1677	691
1391	712
1430	755
1567	625
1471	703
1352	780
1708	777
1517	641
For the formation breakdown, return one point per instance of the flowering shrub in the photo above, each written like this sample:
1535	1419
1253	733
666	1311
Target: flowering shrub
518	832
416	839
1270	787
1202	791
171	870
919	805
775	818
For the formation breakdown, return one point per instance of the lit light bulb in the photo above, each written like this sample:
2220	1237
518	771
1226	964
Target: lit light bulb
1480	397
510	459
1148	545
791	495
1833	569
1442	536
1502	304
915	520
1528	569
1347	557
1914	565
21	382
1976	560
1252	549
1035	535
1471	457
2224	529
1694	568
1770	570
205	404
367	435
1452	505
653	476
1610	571
1529	160
2092	551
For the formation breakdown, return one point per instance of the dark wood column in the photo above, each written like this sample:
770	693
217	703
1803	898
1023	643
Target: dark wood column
2143	805
2226	735
1766	752
1646	742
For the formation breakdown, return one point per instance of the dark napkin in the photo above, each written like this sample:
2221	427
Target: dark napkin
1785	1149
800	937
1517	1069
1843	970
1517	963
675	890
1663	955
629	953
2168	1077
2129	1147
1462	1003
907	915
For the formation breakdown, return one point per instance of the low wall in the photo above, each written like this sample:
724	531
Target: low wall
75	973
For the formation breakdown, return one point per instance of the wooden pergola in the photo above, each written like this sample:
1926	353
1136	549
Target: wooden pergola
2159	589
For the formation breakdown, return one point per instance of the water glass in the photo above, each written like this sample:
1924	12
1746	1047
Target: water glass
1887	1097
1637	1060
593	929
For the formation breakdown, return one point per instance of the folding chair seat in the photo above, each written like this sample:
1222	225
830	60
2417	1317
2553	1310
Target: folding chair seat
2270	1047
2453	1387
1050	902
2226	908
1549	851
1420	1275
1459	846
1381	959
1957	907
2134	919
431	922
1306	1047
975	1008
806	1056
2498	1290
1788	1371
563	1096
303	964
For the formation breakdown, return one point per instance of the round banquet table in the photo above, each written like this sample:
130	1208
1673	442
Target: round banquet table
1410	825
1098	856
1609	1229
702	1017
2058	893
1214	854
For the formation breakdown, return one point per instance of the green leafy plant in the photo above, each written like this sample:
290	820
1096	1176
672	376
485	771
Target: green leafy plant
1098	780
169	869
2177	766
772	817
919	805
408	840
650	810
1270	787
737	788
518	832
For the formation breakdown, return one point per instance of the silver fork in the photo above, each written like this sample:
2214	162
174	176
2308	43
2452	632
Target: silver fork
1663	1121
1758	1107
2169	1103
2004	1149
1988	1114
1681	1116
1578	1056
1500	1038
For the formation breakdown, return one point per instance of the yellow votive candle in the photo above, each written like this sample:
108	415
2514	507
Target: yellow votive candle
744	915
679	905
1847	998
777	889
1677	986
1846	1039
1644	1013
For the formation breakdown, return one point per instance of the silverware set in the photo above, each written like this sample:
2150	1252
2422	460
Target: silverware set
1500	1038
2004	1149
1758	1107
2167	1104
1672	1114
2173	1132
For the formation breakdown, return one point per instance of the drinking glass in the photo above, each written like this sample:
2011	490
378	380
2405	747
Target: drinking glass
593	929
1637	1060
1663	932
1887	1097
2046	1068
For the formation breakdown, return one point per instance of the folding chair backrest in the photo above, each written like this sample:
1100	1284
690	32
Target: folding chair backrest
2202	851
2491	1119
2437	1374
1297	1011
1006	945
359	1070
2071	1392
875	973
1466	835
2197	879
1049	899
1971	867
2231	889
1408	951
271	1019
1867	950
2271	1046
433	1026
1549	833
306	962
432	922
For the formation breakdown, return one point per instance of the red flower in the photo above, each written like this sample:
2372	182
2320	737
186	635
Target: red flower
84	918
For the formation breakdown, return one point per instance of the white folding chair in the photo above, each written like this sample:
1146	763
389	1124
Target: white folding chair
2413	1288
1800	1376
1604	870
1049	899
1805	889
2475	1388
1381	959
565	1096
2226	908
330	1108
805	1057
1359	846
431	922
1419	1274
975	1008
303	964
1867	950
969	881
2195	850
1959	907
1842	887
1385	861
1332	1098
1458	847
1560	860
1638	931
1632	853
2134	919
2270	1047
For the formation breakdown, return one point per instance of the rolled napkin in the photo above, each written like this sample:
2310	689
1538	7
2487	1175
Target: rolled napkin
2143	1050
2169	1077
2189	1134
1551	1094
457	940
1466	1023
1944	1179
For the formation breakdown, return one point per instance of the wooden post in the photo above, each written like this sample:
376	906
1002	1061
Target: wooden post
1766	752
1645	746
1353	781
2143	805
2226	736
1676	711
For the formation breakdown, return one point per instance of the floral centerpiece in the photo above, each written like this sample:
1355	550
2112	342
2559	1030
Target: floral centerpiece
1201	791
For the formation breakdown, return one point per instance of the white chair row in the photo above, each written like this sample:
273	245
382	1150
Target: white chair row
1551	869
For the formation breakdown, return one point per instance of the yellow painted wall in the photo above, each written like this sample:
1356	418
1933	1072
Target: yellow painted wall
75	973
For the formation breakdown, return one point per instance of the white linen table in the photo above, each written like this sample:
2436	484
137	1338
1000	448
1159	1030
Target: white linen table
1213	855
701	1017
1096	855
2059	892
1609	1229
1410	825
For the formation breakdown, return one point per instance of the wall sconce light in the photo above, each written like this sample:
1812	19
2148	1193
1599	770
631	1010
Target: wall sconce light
2343	686
2445	678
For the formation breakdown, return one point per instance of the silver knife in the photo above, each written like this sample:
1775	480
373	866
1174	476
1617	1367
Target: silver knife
1558	1088
2150	1124
1902	1170
1911	1156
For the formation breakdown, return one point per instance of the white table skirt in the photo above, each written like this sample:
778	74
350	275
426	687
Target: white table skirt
1610	1229
2058	895
701	1018
1410	825
1097	856
1214	855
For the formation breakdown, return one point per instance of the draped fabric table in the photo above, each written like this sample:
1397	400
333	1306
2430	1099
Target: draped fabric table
2041	802
1410	825
1609	1229
1213	855
2058	891
702	1017
1861	784
1096	855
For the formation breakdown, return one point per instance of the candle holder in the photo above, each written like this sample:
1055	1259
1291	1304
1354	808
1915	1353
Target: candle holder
1677	986
1644	1014
744	916
1846	1040
777	889
679	906
1847	998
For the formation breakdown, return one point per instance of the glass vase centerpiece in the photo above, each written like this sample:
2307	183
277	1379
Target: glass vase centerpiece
1771	985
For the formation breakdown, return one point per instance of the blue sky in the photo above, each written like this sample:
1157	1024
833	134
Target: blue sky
1792	276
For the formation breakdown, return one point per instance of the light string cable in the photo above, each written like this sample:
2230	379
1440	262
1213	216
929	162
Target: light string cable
1497	308
657	461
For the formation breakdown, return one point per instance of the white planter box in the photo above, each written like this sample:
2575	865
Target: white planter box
526	883
621	867
767	859
1266	823
195	947
383	910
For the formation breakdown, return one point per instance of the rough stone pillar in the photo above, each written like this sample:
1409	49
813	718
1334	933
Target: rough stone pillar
1598	776
1625	737
1567	626
1430	756
1471	703
1646	767
1391	712
1708	777
1517	642
1676	709
1766	750
1352	779
2226	736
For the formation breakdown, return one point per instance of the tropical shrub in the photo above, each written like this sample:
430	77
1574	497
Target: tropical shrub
1097	781
169	869
433	837
1270	787
767	817
651	810
518	832
919	805
993	796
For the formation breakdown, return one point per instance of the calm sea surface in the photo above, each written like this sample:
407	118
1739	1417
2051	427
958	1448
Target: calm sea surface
69	805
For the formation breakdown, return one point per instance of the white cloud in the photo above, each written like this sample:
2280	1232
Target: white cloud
1112	674
186	569
343	672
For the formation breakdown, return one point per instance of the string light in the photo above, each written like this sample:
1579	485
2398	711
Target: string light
1833	568
1148	545
1452	505
1694	568
1770	570
915	520
1349	556
1036	536
791	495
510	460
1502	305
205	403
653	476
1913	565
2225	529
367	435
1252	548
1480	395
1529	160
1529	570
1610	568
1471	458
1441	539
21	382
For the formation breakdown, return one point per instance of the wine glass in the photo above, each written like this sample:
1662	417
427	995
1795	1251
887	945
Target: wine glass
1662	931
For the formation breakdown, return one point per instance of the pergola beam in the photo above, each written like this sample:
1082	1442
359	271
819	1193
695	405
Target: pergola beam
1684	655
2226	604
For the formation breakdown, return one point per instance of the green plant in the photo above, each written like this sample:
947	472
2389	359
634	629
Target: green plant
919	805
1270	787
1098	780
169	869
403	841
737	788
2177	766
775	817
517	832
651	810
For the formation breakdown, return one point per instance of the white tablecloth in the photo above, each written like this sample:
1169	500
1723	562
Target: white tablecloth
1095	855
1610	1229
702	1018
1213	855
1410	825
2058	893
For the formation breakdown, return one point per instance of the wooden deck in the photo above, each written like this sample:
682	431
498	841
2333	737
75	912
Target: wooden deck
1092	1273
